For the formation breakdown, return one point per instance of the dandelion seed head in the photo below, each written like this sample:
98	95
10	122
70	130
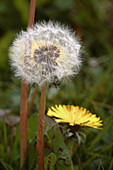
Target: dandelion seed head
46	52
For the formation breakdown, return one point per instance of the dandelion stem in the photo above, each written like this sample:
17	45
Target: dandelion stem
40	155
32	13
23	123
23	104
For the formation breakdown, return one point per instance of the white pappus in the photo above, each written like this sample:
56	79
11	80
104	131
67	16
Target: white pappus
47	52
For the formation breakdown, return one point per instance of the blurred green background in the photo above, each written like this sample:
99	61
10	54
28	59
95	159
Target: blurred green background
91	88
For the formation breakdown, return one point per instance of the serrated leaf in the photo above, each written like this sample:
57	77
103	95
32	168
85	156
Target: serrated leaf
59	147
47	145
49	161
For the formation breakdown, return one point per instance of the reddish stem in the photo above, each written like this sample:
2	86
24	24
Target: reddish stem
41	114
23	123
23	104
32	13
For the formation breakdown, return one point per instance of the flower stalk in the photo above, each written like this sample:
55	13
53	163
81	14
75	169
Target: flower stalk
23	123
23	104
40	154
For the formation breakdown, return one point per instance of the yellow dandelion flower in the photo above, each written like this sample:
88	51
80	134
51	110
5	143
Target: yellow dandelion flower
74	115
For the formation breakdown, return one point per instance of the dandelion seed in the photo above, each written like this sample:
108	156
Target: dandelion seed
48	52
74	116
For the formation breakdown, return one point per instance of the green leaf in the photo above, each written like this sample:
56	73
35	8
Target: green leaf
59	147
32	155
61	166
49	161
32	126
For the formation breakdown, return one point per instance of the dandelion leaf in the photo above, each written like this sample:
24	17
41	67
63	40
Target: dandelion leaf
49	161
59	147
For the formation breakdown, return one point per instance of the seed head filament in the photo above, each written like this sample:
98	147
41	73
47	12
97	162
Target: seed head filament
46	56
